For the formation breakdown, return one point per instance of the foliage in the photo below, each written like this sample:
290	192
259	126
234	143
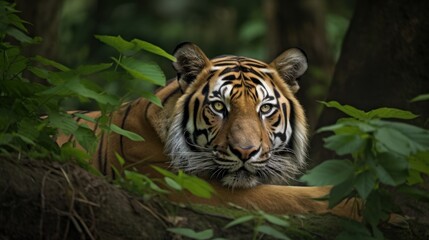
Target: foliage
186	232
422	97
32	113
182	181
264	223
375	153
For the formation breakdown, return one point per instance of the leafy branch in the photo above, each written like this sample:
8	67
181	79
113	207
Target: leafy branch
375	153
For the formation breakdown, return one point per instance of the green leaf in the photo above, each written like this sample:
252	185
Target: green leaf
51	63
265	229
86	138
20	36
376	113
84	117
17	22
68	151
27	127
395	165
344	143
391	113
384	176
64	122
131	135
365	183
348	125
420	162
422	97
91	69
330	172
121	45
143	70
240	220
153	49
275	220
341	191
332	128
151	97
197	186
206	234
120	159
193	184
414	177
418	137
394	140
173	184
164	172
347	109
376	207
74	86
26	139
140	182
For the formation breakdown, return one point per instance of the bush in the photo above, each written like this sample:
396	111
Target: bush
376	155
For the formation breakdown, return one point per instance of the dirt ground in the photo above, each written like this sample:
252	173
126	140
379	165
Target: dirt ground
49	200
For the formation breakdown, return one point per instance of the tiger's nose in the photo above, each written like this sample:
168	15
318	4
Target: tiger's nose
244	153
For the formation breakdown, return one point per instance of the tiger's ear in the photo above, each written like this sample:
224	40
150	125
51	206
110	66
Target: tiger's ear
290	65
190	61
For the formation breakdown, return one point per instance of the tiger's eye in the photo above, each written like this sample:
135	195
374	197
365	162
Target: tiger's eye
266	108
218	106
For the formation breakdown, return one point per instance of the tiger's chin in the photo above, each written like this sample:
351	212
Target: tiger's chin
240	179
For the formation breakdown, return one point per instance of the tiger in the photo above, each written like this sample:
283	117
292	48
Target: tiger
233	121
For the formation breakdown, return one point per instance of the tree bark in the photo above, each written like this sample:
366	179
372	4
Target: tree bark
383	63
302	24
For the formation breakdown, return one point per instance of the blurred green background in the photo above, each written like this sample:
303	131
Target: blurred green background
218	27
252	28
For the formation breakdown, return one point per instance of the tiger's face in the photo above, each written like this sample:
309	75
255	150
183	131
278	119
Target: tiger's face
238	120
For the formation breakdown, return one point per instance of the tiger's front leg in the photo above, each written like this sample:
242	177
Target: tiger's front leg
277	199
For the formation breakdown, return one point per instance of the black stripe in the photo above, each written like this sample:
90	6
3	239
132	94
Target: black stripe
277	93
225	63
186	112
230	69
196	106
256	81
253	64
229	77
205	90
177	90
282	135
259	74
278	120
292	125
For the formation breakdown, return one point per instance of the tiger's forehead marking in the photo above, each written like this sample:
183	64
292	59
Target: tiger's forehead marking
231	73
244	62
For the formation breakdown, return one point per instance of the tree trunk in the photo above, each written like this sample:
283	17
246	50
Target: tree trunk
302	24
383	63
44	16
